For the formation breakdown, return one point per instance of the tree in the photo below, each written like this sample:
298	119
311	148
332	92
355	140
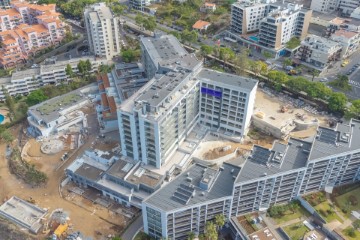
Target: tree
9	101
69	71
314	73
150	24
278	77
337	102
210	231
6	136
128	55
220	220
226	54
103	68
36	97
82	67
88	65
206	50
342	82
189	36
242	62
287	62
354	109
191	236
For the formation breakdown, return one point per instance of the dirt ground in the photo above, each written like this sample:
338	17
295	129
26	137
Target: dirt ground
96	218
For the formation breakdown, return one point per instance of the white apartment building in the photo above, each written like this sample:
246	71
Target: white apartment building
346	7
156	119
139	4
348	39
324	6
268	176
268	25
102	28
23	82
319	52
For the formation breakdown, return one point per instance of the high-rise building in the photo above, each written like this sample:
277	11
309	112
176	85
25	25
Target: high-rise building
346	7
103	31
158	117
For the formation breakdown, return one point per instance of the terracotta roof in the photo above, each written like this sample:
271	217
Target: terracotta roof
104	100
105	80
344	33
201	24
210	5
112	104
337	21
101	87
11	12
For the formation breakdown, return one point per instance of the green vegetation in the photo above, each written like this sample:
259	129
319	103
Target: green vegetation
36	97
25	171
294	42
351	233
6	136
296	231
349	201
142	236
327	211
285	213
341	82
315	198
354	110
130	55
148	23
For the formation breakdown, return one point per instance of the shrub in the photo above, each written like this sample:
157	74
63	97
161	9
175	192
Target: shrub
353	200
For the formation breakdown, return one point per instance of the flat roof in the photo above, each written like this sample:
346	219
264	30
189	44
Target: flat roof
280	158
23	213
49	110
343	138
227	78
185	190
163	47
89	172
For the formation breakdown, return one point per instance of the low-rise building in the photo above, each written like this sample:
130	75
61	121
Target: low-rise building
348	39
120	179
23	82
57	114
208	7
201	25
319	52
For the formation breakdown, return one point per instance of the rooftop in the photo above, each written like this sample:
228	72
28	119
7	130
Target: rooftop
226	78
345	33
50	109
195	185
98	12
23	213
201	25
344	138
164	47
280	158
89	172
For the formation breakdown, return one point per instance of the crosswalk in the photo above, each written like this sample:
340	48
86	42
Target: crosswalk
355	84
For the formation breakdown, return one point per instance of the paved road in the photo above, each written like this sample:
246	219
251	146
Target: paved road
133	229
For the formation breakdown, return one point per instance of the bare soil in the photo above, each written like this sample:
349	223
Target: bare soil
86	217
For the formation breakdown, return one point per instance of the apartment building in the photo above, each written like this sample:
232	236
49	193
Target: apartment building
348	39
139	4
268	25
102	29
318	52
4	4
114	88
324	6
268	176
157	118
26	81
156	50
189	201
25	29
348	6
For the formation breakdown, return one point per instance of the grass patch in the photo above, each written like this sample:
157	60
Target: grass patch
351	233
349	201
293	43
327	212
296	231
315	198
142	236
289	215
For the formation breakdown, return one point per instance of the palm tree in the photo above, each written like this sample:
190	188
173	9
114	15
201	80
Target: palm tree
191	236
220	221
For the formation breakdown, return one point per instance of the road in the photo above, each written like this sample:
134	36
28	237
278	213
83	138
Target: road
131	231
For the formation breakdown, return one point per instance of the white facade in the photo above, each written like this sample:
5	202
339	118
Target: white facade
349	40
102	28
324	6
24	82
356	13
319	51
